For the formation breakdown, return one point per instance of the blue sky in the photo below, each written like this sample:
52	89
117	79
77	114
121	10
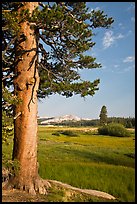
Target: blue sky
115	50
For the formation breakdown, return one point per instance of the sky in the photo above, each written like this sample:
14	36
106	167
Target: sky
115	50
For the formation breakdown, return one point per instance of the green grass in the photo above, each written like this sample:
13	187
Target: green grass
86	160
92	161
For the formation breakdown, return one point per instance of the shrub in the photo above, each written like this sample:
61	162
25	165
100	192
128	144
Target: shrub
57	133
114	129
69	133
65	132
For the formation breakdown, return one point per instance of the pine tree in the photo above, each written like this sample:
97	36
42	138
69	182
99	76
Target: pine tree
43	49
103	115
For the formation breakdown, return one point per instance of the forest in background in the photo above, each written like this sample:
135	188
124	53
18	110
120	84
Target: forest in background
127	122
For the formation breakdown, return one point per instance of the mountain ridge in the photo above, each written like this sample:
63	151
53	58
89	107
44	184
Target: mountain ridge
59	119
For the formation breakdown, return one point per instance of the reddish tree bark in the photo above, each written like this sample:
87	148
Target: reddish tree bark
25	125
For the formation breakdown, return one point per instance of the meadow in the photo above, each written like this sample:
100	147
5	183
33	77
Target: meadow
80	157
87	160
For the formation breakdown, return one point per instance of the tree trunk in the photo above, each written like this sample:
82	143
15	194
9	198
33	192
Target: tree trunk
25	121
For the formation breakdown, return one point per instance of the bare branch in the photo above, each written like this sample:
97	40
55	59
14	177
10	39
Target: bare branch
5	28
7	77
17	115
6	11
6	105
5	69
75	18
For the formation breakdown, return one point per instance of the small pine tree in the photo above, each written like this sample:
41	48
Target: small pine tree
103	115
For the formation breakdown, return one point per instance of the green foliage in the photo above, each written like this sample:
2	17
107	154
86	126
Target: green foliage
127	122
57	133
8	98
12	23
7	127
99	19
114	129
12	165
7	119
8	101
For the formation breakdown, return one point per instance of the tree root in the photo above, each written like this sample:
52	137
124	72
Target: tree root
87	191
41	186
38	185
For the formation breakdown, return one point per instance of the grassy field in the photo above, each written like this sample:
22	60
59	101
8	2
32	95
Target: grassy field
87	160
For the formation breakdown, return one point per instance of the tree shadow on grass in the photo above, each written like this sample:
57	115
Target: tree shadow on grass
115	159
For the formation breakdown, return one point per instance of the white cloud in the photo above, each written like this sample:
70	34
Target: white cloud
109	38
129	59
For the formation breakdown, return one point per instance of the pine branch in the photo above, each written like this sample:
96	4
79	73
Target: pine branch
51	45
49	71
69	12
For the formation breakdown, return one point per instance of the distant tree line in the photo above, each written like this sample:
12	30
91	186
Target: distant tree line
127	122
